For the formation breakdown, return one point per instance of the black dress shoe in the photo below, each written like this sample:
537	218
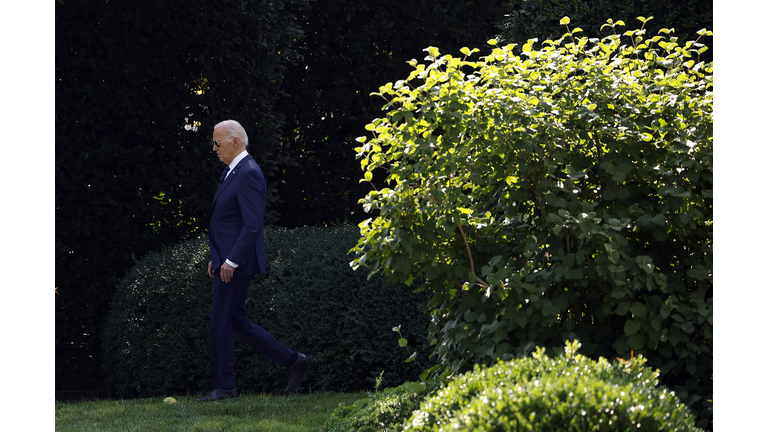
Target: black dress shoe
296	373
220	394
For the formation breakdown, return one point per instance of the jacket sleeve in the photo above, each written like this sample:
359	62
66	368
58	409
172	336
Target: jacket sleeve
251	196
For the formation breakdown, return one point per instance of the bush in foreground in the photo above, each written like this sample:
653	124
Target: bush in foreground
567	393
157	332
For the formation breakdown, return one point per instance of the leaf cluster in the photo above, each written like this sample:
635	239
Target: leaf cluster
562	193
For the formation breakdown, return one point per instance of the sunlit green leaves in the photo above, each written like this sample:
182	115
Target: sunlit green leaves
564	191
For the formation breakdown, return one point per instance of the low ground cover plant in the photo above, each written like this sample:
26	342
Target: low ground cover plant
384	410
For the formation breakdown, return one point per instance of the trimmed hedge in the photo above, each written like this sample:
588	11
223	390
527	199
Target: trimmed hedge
156	338
567	393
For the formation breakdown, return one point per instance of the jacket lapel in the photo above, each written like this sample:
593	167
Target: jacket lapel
230	178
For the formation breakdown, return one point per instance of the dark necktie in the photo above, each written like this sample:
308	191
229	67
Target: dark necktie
224	175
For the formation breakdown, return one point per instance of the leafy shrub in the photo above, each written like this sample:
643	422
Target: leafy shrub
383	411
565	193
157	332
567	393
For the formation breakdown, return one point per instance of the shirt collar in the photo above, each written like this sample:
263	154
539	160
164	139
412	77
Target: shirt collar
237	159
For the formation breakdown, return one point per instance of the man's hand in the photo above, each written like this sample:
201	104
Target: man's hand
226	272
210	269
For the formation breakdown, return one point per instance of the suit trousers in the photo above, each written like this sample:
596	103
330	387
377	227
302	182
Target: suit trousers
229	318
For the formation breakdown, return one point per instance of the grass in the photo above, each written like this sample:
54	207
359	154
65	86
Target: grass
261	413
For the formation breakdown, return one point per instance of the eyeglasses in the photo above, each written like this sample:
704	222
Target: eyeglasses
219	143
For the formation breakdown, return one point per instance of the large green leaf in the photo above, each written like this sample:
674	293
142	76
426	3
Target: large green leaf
631	327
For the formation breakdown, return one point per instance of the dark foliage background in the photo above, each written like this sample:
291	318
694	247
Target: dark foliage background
156	335
528	19
130	178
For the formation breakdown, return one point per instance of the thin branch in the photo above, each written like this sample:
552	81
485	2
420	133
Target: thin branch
471	260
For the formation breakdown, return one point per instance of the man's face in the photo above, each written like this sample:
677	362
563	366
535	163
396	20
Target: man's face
229	145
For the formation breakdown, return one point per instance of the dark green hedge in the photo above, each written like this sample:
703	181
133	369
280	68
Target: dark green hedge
156	339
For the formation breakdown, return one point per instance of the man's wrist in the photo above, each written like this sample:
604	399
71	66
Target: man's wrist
232	264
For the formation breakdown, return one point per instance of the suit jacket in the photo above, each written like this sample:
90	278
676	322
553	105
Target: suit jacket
237	219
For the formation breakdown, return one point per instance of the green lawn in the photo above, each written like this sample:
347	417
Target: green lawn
249	413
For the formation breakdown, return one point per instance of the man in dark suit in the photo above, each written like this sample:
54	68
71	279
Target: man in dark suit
237	254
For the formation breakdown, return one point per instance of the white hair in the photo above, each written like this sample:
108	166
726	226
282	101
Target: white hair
234	128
